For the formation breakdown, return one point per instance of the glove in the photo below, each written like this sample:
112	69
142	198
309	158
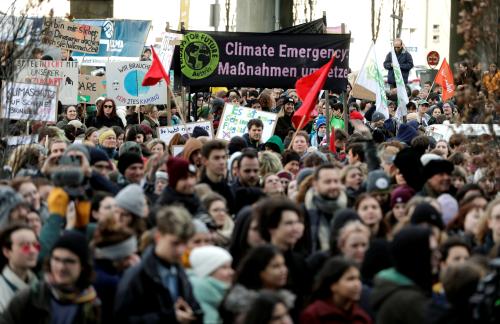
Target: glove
83	209
58	201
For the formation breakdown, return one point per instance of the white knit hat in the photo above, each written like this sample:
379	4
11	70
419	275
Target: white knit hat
205	260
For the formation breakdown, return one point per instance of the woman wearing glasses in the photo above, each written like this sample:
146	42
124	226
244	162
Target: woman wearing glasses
106	115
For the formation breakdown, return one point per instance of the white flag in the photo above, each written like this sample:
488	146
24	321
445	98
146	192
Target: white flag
402	95
370	79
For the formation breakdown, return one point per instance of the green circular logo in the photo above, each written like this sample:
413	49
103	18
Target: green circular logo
199	55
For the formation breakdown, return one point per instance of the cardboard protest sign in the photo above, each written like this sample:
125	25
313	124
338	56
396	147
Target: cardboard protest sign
21	101
441	131
71	36
234	121
124	84
167	47
90	88
62	74
167	132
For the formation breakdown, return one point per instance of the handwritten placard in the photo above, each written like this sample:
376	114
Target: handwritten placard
90	88
71	36
235	118
167	47
62	74
442	131
22	140
21	101
167	132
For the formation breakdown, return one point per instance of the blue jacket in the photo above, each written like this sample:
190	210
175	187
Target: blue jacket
405	64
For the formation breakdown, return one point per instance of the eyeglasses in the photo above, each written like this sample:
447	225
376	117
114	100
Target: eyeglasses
65	261
108	106
26	246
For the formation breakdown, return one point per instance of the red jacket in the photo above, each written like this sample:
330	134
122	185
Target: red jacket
325	312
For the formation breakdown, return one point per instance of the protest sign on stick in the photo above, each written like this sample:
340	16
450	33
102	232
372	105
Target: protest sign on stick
90	88
235	118
166	133
71	36
21	101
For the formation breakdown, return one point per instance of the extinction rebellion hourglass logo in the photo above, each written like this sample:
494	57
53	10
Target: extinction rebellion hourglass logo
199	55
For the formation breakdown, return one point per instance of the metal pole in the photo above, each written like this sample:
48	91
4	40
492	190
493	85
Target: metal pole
346	112
327	108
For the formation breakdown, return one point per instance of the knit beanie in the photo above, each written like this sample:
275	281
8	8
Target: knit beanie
130	147
206	259
401	194
97	155
289	156
177	169
304	173
406	133
80	148
321	121
449	207
408	162
199	131
9	199
200	226
285	175
131	198
75	242
377	181
377	116
127	159
275	143
426	213
146	129
106	133
356	115
435	164
192	145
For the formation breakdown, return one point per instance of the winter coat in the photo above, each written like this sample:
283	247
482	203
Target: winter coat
223	189
325	312
283	126
253	144
209	292
405	64
10	284
103	121
106	282
34	306
397	300
151	123
142	298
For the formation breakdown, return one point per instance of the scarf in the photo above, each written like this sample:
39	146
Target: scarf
329	206
70	295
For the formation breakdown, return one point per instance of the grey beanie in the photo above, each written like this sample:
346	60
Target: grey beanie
377	180
304	173
9	199
199	226
130	147
80	148
131	198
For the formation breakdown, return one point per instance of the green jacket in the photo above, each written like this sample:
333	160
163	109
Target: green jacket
337	122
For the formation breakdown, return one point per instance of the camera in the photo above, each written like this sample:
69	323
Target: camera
69	175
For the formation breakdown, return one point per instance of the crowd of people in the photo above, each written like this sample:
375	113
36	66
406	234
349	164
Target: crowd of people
373	222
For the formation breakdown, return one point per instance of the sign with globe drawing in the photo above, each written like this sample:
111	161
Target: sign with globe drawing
124	84
199	55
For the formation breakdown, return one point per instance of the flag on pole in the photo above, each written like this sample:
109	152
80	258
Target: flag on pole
308	88
400	84
370	80
156	72
444	78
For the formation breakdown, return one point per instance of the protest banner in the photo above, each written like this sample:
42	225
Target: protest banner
234	121
167	47
444	132
21	101
62	74
71	36
121	40
90	88
166	133
124	84
258	59
22	140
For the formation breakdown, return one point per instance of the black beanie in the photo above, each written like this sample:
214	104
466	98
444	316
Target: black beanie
426	213
411	255
75	242
127	159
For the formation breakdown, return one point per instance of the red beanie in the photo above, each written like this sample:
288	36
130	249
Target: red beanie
356	115
178	169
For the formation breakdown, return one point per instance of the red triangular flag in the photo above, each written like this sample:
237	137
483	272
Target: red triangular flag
332	147
156	72
444	78
307	88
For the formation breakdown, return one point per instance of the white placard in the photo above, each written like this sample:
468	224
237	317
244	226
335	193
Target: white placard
235	118
22	140
167	48
21	101
177	149
124	84
62	74
166	133
440	131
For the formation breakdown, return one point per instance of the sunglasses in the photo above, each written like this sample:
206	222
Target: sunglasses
108	106
26	246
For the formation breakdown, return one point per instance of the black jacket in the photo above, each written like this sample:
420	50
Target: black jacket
283	126
101	121
250	143
405	64
223	189
33	306
142	298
